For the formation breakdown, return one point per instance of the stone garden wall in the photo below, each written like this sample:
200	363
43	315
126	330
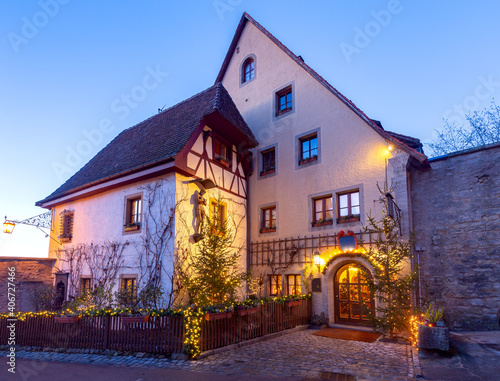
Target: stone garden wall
29	273
456	216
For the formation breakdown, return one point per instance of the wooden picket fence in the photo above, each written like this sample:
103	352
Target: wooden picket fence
160	335
270	318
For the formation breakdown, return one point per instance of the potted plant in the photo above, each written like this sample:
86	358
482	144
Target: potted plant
218	312
67	317
318	321
132	226
432	332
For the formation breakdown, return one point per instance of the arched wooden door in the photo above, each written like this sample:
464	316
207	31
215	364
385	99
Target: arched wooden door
353	299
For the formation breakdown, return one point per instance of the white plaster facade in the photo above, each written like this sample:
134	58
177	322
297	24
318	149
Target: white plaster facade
351	154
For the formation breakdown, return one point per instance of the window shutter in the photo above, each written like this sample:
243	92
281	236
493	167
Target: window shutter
66	226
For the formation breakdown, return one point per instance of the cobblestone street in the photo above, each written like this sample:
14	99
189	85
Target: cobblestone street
298	354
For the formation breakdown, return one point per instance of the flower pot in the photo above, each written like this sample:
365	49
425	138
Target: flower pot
211	316
248	311
292	303
433	337
135	319
67	319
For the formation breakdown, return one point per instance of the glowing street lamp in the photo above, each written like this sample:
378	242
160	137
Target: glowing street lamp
8	226
42	221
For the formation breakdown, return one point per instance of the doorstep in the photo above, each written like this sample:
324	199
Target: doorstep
353	327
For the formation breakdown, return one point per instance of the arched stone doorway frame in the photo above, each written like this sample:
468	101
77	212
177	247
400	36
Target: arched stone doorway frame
339	261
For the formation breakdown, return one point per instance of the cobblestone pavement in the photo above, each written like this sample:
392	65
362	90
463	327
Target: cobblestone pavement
298	354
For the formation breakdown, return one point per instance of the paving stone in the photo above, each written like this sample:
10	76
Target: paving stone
298	354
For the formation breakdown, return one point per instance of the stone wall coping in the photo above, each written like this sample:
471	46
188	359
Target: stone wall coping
5	259
464	152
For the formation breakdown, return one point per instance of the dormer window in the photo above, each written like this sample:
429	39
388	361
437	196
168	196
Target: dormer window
248	72
221	152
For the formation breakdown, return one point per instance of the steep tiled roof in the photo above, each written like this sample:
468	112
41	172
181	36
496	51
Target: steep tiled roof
420	157
154	141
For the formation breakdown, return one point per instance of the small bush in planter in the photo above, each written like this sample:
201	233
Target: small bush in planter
319	321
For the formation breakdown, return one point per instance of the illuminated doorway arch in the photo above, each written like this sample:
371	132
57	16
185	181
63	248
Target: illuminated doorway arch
353	301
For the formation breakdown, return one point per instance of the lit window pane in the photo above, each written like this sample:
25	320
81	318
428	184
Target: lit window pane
343	212
355	199
355	210
328	214
319	205
343	201
329	203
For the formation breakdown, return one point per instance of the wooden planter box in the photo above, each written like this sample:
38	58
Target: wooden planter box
67	319
324	223
263	173
293	303
248	311
217	315
267	230
135	319
308	160
131	228
346	220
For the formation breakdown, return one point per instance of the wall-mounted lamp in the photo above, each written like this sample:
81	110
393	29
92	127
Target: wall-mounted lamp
42	221
390	148
317	260
8	226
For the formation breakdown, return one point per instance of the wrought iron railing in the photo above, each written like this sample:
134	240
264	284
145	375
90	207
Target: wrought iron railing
279	251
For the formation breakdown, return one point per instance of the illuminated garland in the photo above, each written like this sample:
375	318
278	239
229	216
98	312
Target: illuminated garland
355	255
193	317
21	316
415	321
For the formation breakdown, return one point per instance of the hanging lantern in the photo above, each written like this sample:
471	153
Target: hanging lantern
317	259
8	226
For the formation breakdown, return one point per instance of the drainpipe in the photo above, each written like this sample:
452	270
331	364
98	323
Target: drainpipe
415	262
247	181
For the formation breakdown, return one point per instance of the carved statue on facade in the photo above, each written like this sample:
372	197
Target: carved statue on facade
200	215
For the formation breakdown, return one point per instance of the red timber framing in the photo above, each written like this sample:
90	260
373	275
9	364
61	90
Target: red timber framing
198	158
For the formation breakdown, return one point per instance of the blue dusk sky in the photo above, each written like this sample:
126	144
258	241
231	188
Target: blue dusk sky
76	73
